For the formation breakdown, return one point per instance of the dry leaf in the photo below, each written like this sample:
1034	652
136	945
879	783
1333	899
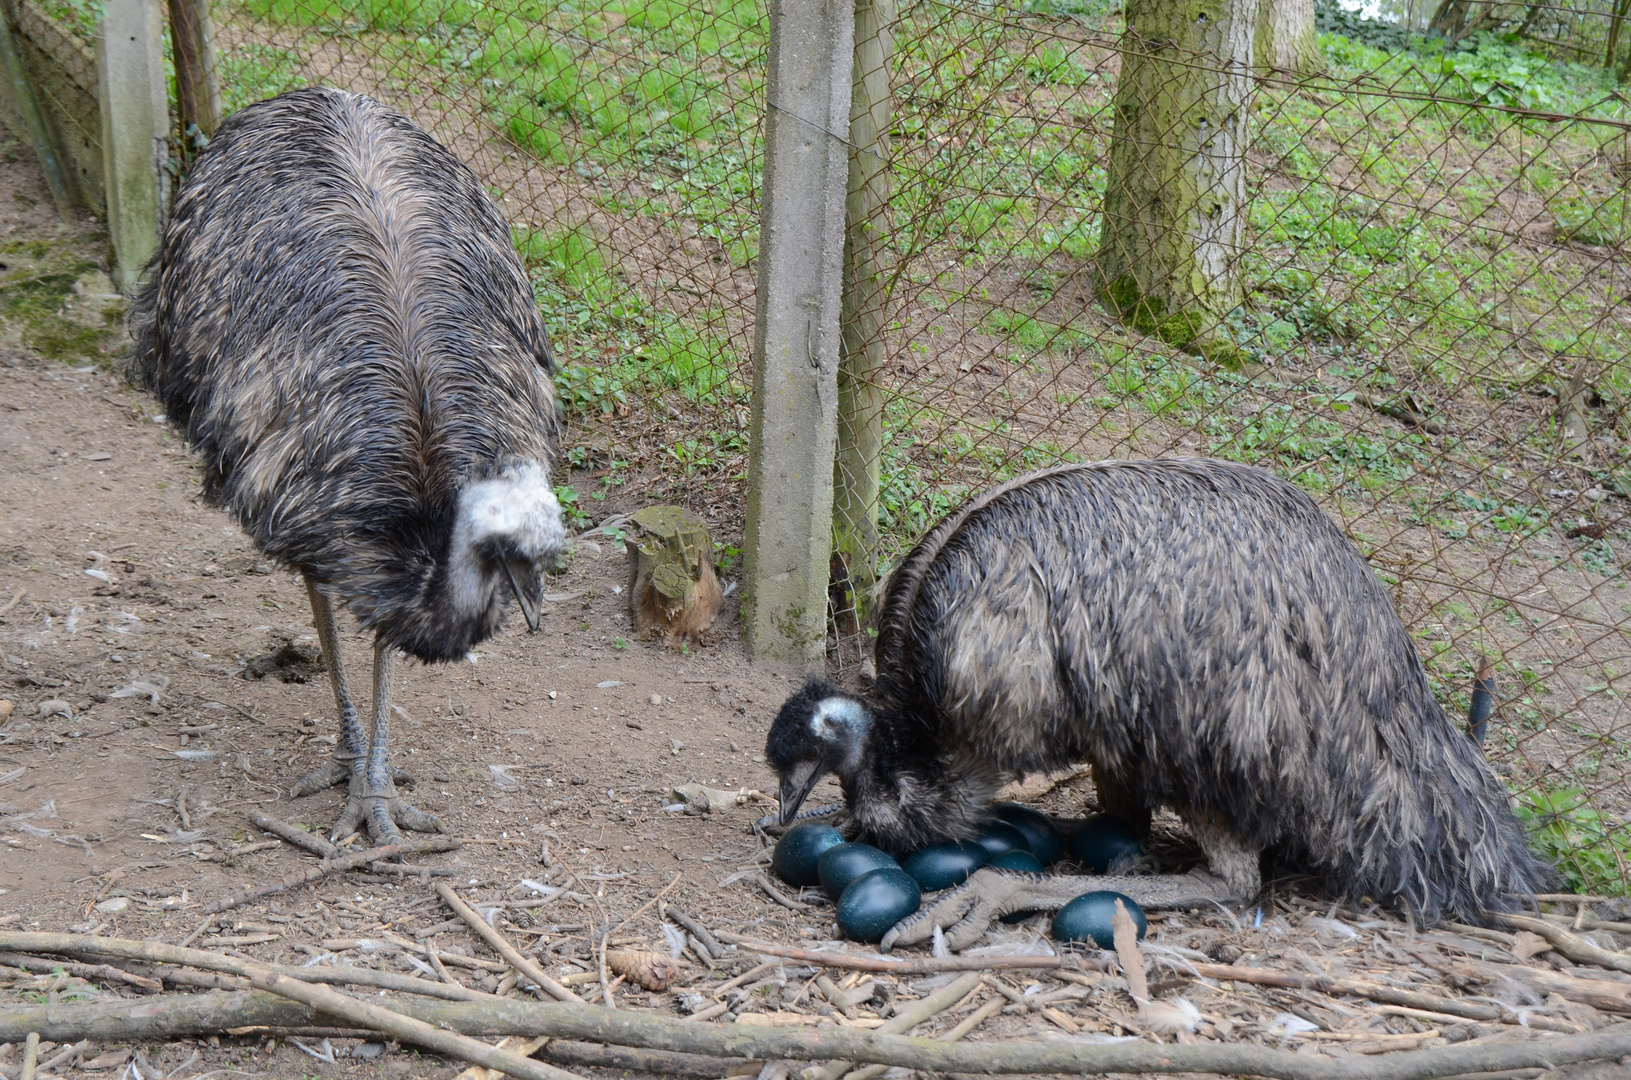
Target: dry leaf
651	970
1132	961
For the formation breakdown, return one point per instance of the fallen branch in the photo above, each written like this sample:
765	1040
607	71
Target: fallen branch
202	1014
502	946
925	965
1603	994
1575	948
16	598
628	1059
405	1028
333	866
36	965
1327	984
157	952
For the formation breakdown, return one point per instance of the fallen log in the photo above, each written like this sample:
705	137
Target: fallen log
198	1014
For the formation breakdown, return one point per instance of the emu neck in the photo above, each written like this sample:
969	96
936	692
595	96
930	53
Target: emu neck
903	798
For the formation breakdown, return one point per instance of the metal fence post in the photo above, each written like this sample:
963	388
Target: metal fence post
135	125
795	345
860	397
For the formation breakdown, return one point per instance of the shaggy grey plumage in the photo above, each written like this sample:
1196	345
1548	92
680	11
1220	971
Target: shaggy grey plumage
1205	636
337	321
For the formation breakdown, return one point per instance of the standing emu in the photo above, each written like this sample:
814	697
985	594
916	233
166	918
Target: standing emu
1209	641
337	321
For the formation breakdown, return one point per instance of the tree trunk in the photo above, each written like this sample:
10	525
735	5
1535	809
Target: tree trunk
198	90
1285	36
860	397
1174	220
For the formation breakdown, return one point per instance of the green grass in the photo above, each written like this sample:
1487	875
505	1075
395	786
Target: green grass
1592	853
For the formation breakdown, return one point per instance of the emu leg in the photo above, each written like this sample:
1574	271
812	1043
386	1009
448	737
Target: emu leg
1116	799
372	798
353	745
964	913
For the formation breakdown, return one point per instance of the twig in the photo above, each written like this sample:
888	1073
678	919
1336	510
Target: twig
697	930
923	965
329	867
502	946
605	985
201	1014
315	844
746	976
780	897
1577	949
13	602
63	1056
1604	994
31	1048
909	1017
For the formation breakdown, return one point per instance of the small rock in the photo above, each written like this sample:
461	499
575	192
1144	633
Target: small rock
707	799
370	1050
114	906
54	707
1595	494
552	695
578	781
655	699
5	709
635	724
99	455
760	758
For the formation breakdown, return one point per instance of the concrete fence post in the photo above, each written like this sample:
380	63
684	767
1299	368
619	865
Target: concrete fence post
788	537
135	126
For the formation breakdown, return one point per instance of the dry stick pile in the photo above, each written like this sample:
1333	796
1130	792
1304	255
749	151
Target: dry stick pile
1372	987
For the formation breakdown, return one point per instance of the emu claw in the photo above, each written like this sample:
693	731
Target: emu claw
964	913
771	824
381	812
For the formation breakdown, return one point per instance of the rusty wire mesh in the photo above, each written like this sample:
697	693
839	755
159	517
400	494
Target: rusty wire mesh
1432	337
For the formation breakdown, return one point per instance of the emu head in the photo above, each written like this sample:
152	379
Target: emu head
508	528
819	730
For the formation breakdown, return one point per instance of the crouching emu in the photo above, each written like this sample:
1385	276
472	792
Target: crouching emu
1210	641
337	321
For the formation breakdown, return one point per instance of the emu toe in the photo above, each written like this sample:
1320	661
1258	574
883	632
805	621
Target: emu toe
964	913
333	773
380	811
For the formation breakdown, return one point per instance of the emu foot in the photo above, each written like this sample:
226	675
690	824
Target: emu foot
964	913
833	814
333	773
381	811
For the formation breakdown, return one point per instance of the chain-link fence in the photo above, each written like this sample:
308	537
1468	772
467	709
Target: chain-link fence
1418	312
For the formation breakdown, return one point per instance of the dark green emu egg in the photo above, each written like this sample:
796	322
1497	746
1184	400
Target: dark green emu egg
944	865
1088	918
797	852
875	901
1101	840
1016	860
841	865
999	836
1040	835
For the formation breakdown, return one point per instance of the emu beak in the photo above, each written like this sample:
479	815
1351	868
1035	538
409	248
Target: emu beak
527	609
793	791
